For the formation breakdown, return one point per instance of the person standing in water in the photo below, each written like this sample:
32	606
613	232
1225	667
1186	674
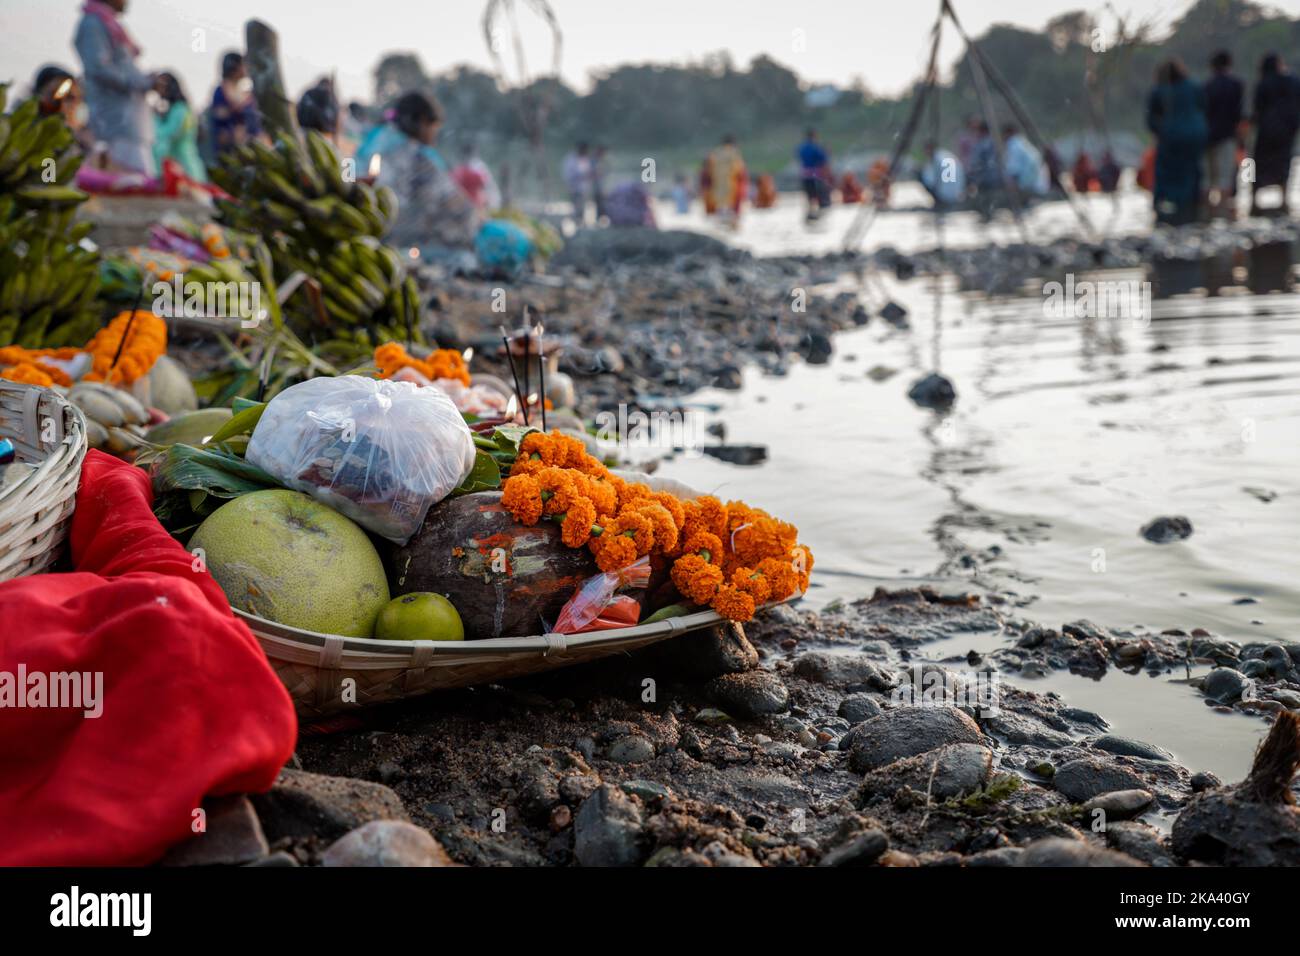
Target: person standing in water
115	88
1276	118
1176	115
814	173
1224	94
728	180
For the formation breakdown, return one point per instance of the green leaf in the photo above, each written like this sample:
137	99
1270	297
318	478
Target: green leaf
216	471
510	437
241	423
484	476
672	610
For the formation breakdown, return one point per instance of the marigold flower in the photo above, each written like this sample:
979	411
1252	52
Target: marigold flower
629	492
781	577
558	490
705	542
602	494
752	583
733	604
636	526
145	343
613	552
665	531
521	495
576	527
674	507
704	513
696	579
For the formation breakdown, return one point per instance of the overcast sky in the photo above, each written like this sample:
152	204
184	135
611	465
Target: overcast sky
880	41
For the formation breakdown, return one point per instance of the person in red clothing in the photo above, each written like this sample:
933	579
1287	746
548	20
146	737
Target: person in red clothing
189	707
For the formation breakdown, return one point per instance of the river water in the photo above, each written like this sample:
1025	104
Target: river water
1067	436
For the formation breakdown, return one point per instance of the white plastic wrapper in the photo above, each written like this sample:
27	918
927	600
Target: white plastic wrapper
380	452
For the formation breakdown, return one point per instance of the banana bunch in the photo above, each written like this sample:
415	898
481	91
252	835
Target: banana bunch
48	282
115	420
298	189
319	223
364	284
208	283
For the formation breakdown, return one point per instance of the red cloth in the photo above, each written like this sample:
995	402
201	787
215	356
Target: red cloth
190	706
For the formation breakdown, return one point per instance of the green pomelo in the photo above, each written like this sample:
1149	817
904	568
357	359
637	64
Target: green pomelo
190	428
419	617
286	557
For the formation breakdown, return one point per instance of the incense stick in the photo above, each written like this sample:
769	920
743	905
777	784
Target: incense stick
139	299
513	374
541	371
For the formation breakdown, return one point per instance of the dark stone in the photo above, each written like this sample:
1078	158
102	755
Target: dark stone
1166	529
311	804
703	654
1082	779
1060	851
232	835
860	850
859	707
607	829
752	694
933	391
1128	747
906	732
737	454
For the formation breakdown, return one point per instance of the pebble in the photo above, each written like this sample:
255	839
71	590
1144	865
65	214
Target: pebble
607	829
1165	529
302	804
233	835
1127	746
633	748
1061	851
647	790
711	715
1224	685
823	667
1082	779
386	843
753	694
1204	780
945	772
859	707
906	732
1121	804
861	850
933	391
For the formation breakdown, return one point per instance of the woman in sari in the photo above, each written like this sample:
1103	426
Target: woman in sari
1176	115
728	180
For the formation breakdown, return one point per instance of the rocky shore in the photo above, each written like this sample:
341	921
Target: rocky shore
802	739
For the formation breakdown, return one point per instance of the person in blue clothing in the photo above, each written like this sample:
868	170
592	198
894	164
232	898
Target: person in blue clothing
233	115
1176	115
115	88
814	173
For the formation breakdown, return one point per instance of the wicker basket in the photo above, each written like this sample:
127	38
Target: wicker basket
314	666
49	432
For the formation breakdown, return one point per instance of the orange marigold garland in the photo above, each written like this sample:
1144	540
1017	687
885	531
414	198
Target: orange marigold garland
146	342
392	357
732	557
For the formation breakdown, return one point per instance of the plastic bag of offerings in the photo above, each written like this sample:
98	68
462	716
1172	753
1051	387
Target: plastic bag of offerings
381	452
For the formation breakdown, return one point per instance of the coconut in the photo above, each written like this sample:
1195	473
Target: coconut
286	557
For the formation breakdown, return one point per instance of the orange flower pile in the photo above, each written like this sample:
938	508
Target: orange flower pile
392	357
145	344
730	557
29	366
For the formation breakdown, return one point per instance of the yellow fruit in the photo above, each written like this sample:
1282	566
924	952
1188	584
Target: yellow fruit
420	616
288	558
